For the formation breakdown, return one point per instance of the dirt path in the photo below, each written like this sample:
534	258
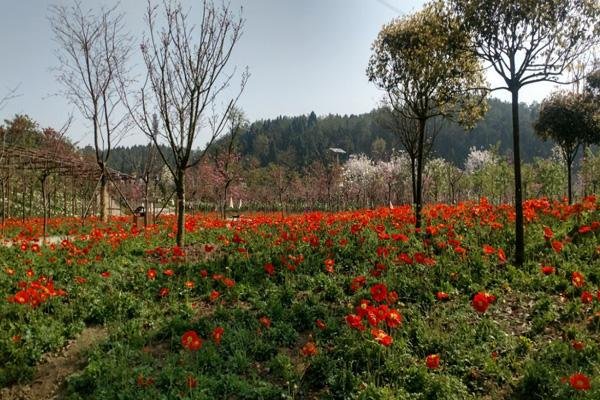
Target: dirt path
55	368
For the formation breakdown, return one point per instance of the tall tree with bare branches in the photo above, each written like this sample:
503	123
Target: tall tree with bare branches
186	78
93	49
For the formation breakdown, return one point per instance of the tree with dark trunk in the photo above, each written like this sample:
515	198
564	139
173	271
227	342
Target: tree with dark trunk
525	42
422	63
568	119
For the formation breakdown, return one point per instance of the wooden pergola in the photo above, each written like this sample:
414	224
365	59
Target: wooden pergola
62	162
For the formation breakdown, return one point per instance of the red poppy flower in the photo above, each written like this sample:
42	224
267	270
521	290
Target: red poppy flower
191	382
432	361
586	297
501	256
355	321
489	250
214	295
163	292
168	272
579	381
269	269
480	302
547	270
442	296
189	284
320	324
379	292
105	274
393	319
217	334
191	341
151	274
265	321
557	246
577	344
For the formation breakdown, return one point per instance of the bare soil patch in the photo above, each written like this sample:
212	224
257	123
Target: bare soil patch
49	379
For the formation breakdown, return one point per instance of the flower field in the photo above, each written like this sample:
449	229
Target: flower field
350	305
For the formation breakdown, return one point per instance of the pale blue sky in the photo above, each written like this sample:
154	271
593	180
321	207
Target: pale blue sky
303	55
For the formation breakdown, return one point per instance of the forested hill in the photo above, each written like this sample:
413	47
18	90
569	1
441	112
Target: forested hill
297	141
300	140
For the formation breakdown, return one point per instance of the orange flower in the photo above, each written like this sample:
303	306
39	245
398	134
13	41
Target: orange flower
579	381
489	250
309	349
151	274
329	263
432	361
320	324
577	279
381	337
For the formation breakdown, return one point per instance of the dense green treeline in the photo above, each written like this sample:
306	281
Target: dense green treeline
298	141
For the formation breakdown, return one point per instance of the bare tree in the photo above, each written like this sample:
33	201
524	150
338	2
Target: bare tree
226	160
186	77
93	48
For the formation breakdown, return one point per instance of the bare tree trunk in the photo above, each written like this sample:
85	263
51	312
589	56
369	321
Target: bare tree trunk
419	187
43	180
180	207
519	231
104	201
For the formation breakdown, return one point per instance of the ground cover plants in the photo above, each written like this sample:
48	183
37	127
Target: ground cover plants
348	305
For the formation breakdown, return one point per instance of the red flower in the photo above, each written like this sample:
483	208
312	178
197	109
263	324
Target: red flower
480	302
208	248
105	274
320	324
217	334
355	321
577	279
163	292
168	272
191	341
501	256
442	296
432	361
269	269
357	283
548	234
309	349
214	295
393	319
189	284
228	282
392	297
191	382
547	270
151	274
586	297
265	321
379	292
577	344
557	246
579	381
489	250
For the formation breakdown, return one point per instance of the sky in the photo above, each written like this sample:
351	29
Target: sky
302	55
